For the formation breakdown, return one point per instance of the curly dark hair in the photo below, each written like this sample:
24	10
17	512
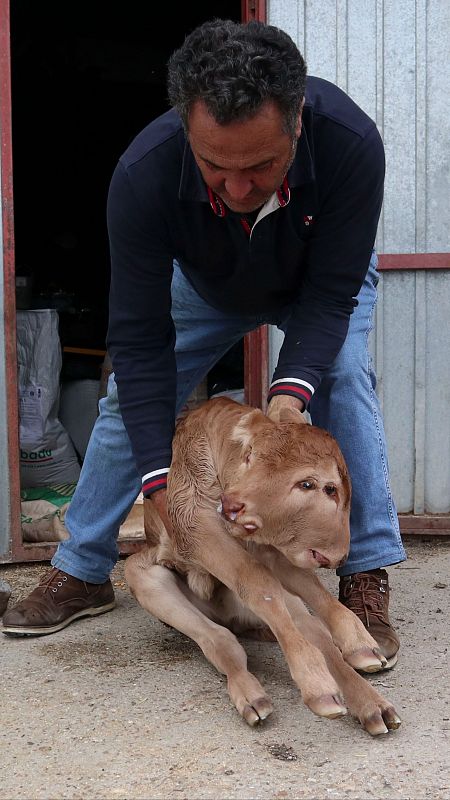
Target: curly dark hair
234	68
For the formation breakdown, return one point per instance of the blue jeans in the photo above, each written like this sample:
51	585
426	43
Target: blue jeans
345	404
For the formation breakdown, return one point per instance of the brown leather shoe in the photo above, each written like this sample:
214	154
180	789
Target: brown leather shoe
56	602
367	595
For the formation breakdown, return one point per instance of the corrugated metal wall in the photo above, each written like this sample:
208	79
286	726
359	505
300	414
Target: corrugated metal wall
392	58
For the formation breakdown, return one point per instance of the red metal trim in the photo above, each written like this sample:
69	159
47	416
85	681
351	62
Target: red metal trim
255	375
253	9
9	277
256	344
256	367
388	261
424	524
410	525
44	551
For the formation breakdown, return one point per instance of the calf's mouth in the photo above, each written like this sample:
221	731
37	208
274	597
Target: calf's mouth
321	560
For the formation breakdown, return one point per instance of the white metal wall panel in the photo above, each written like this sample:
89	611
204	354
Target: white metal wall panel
398	129
437	393
391	56
437	194
394	342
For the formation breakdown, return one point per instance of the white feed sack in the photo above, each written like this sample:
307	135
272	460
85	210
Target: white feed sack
47	456
43	511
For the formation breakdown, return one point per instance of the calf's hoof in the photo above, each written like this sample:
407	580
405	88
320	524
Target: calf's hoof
250	699
327	705
367	659
380	720
257	712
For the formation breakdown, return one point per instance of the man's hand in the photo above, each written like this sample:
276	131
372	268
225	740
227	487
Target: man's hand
159	501
284	408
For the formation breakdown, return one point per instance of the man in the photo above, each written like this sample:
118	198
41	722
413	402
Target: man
254	200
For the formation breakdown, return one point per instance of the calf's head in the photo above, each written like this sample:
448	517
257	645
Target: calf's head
289	488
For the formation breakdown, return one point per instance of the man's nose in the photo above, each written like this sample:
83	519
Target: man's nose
238	186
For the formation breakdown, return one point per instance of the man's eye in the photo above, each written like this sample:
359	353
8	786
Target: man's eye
212	167
306	485
262	167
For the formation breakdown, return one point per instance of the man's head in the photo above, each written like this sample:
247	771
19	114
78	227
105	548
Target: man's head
234	69
239	90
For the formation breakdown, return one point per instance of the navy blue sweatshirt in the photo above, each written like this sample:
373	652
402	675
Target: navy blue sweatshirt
310	245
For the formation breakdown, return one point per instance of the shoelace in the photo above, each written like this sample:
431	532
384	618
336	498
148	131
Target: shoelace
50	580
366	595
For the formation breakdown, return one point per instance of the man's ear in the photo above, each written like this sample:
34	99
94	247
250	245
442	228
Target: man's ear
298	127
247	427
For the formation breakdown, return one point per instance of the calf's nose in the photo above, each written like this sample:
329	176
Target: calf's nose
231	506
343	560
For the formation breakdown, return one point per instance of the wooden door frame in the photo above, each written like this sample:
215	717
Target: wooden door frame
255	345
9	289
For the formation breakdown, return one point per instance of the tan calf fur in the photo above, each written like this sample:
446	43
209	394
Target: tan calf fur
256	506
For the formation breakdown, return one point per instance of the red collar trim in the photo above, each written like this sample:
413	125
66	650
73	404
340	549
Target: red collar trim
216	203
284	193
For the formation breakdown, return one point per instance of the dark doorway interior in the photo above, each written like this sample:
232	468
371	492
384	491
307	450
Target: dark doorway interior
87	75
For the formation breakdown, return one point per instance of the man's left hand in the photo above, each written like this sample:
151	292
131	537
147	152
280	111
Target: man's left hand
278	405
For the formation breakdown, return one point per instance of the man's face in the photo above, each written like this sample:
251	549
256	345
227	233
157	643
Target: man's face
243	162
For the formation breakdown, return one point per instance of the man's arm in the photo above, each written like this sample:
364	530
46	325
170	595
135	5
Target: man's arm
141	336
338	255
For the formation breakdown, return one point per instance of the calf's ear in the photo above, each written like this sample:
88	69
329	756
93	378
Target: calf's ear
247	428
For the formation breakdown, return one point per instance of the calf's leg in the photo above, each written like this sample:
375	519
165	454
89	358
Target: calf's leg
262	593
163	594
358	647
375	714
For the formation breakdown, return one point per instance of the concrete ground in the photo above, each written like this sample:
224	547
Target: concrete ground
120	706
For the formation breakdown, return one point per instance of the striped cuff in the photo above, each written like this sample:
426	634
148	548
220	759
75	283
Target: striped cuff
292	386
153	481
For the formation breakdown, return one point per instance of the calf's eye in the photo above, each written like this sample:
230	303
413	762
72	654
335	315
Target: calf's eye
330	490
306	485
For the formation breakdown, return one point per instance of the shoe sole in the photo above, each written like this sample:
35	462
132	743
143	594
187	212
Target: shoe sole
11	630
391	662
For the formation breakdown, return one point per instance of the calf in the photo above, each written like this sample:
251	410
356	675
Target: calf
256	506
